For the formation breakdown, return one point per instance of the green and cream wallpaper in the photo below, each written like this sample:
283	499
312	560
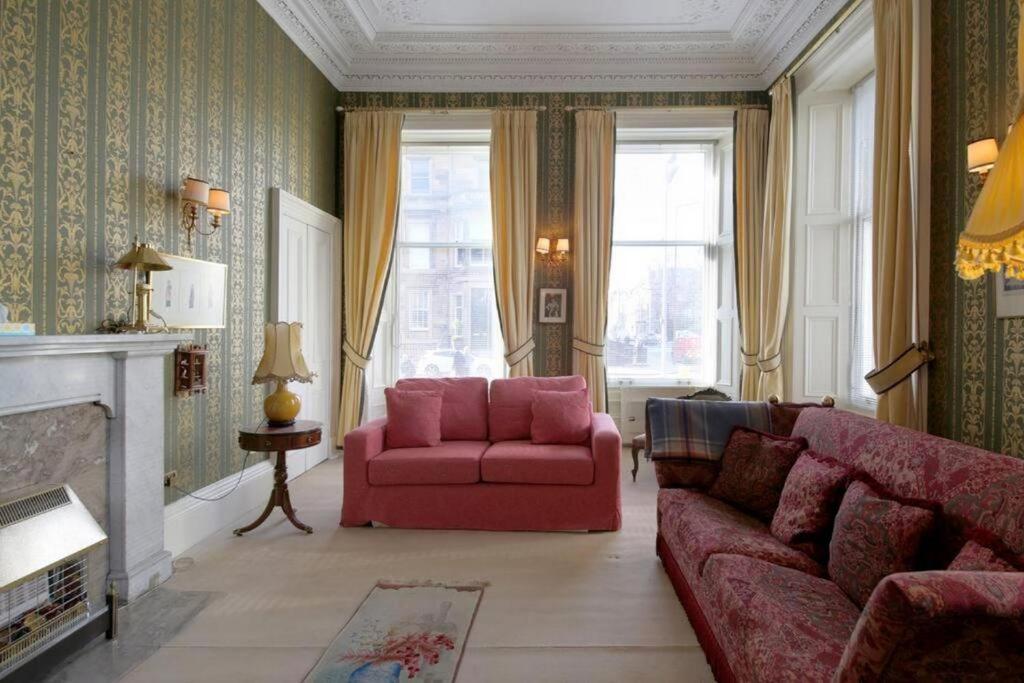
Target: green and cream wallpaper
555	170
105	105
976	384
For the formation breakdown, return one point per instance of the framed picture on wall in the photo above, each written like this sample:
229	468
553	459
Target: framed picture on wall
552	305
1009	297
192	295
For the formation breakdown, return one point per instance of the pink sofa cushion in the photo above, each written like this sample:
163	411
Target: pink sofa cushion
522	462
777	623
754	470
414	418
873	537
808	504
560	417
463	405
697	526
452	462
974	557
510	412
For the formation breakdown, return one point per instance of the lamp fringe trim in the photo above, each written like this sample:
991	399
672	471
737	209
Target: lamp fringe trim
974	258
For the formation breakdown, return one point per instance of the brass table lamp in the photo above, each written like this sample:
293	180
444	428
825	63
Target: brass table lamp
141	258
282	362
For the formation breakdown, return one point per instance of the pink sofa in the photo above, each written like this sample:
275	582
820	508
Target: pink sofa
766	612
485	474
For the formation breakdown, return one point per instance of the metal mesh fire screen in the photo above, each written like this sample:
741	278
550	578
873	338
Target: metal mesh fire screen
44	571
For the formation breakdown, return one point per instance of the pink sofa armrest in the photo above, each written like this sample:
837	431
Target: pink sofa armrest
605	447
361	445
922	625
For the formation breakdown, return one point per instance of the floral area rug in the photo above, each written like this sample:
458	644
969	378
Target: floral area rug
402	631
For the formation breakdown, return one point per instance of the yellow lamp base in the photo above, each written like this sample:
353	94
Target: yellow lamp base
281	407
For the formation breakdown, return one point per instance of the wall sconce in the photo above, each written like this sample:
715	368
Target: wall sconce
197	195
560	253
981	156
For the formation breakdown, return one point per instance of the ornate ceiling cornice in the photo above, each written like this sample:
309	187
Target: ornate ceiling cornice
381	45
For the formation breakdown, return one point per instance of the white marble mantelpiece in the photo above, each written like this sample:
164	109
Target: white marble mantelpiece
125	374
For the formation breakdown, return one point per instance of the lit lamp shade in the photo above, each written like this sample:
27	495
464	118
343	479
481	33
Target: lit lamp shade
282	355
543	245
562	245
196	191
220	202
982	155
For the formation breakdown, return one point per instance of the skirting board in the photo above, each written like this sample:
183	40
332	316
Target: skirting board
188	521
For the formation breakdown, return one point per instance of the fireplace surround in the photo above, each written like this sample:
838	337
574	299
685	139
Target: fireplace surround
127	376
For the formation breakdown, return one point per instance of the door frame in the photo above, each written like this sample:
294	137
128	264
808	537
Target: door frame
284	203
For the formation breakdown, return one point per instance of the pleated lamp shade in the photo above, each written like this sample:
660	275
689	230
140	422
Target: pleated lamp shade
994	237
282	355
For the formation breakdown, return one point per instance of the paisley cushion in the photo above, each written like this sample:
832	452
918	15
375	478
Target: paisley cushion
975	557
808	504
873	537
754	470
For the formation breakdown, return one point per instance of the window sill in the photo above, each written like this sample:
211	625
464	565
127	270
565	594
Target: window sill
655	383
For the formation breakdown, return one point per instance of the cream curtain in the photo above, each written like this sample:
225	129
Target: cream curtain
372	148
751	150
893	246
592	246
774	273
514	221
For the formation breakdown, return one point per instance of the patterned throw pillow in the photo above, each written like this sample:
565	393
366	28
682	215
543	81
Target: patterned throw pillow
754	469
809	502
975	557
873	537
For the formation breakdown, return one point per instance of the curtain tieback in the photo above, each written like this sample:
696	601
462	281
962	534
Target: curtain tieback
514	358
749	359
352	356
588	348
770	364
900	368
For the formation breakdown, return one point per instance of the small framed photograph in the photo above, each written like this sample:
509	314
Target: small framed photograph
192	294
1009	297
552	305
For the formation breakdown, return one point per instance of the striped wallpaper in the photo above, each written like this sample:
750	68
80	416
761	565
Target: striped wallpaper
105	105
976	386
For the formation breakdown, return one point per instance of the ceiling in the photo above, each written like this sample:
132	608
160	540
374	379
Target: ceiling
552	45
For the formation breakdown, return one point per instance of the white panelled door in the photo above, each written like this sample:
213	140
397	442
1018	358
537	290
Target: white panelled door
304	289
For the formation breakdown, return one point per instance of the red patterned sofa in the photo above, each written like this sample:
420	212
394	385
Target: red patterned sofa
486	474
764	611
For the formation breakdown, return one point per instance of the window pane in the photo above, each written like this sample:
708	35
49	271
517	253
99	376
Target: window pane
445	194
862	344
656	313
661	192
445	319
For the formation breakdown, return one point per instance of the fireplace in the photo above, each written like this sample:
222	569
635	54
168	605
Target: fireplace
105	394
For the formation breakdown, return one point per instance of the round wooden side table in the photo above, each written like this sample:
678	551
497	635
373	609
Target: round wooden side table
302	434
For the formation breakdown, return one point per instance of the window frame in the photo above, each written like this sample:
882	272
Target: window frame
710	146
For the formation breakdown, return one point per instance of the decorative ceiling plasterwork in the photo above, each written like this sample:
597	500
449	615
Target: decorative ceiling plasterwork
421	45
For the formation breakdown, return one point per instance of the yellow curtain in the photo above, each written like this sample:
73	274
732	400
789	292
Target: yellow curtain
371	186
893	244
592	246
514	220
774	273
751	150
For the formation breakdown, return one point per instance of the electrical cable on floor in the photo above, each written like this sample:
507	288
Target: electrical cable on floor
234	488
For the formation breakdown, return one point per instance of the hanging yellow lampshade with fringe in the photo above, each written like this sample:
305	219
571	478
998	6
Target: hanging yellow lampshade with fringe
994	237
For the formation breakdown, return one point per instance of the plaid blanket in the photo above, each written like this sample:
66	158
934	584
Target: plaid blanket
699	429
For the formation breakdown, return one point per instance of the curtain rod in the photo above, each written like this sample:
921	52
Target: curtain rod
443	110
819	41
686	107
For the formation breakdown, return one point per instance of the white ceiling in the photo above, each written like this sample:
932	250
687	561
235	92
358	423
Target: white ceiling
552	45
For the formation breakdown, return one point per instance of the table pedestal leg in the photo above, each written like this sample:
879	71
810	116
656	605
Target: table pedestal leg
279	497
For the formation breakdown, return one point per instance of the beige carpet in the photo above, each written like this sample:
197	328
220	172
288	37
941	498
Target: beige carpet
559	607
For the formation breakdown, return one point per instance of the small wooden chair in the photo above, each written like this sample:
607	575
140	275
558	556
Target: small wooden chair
639	442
